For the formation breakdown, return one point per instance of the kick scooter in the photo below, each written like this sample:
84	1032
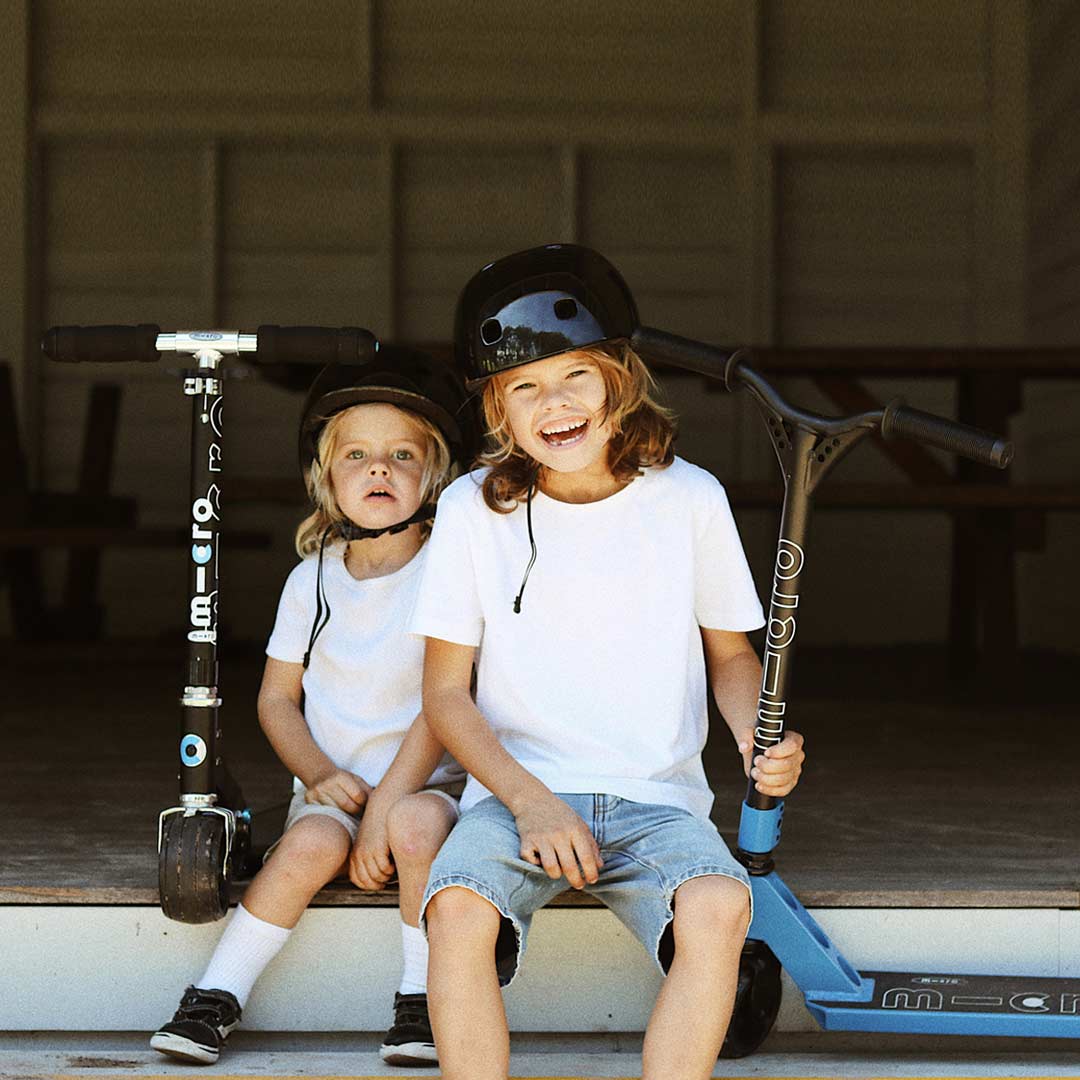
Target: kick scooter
783	932
205	842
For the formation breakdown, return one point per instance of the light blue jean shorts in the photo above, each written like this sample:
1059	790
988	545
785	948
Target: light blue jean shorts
648	852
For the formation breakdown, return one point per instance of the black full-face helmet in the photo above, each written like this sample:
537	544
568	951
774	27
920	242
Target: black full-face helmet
400	376
539	303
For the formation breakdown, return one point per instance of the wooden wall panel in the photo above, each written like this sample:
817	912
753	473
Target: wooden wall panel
1054	279
459	209
302	229
666	219
559	55
1049	427
802	171
121	229
875	247
254	56
886	58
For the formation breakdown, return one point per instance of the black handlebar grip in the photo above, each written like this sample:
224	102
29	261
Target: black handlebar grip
680	352
900	422
101	344
315	345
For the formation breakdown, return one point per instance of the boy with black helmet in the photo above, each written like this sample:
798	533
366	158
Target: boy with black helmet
590	709
340	694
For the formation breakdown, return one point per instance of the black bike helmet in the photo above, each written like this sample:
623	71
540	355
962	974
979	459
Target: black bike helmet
539	303
398	375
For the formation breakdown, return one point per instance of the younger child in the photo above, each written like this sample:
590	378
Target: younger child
340	694
607	584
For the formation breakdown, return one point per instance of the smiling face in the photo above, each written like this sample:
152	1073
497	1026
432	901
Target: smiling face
557	412
377	464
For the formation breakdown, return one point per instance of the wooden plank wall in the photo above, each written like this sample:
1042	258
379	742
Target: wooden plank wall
775	171
1049	423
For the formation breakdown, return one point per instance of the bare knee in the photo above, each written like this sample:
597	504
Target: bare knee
316	847
712	910
458	915
417	825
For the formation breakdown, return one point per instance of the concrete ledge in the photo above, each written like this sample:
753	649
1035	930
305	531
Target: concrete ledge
112	968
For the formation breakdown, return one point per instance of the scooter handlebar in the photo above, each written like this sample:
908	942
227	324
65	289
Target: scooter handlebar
315	345
664	348
101	344
897	420
901	422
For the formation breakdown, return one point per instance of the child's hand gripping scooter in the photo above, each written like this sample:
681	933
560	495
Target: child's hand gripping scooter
205	841
808	447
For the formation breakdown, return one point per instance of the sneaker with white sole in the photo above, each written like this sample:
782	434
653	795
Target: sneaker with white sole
200	1026
409	1040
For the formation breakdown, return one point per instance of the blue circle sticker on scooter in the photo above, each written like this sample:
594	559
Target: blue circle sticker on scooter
192	750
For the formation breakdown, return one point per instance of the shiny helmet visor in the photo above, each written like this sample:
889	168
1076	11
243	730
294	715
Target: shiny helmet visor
539	303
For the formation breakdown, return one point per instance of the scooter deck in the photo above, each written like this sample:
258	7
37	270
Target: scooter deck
956	1004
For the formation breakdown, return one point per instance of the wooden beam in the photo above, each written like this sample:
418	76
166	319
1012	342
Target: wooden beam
1002	162
570	206
387	286
15	294
852	397
210	235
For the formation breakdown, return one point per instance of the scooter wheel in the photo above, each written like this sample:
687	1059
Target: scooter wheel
193	883
757	1001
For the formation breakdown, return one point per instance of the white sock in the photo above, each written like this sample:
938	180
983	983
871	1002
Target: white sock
414	948
246	947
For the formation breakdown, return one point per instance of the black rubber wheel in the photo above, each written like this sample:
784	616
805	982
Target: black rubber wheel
757	1001
192	882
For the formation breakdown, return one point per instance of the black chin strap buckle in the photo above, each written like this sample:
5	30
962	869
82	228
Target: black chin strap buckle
349	530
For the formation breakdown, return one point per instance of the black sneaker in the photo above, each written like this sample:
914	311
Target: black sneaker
198	1030
409	1040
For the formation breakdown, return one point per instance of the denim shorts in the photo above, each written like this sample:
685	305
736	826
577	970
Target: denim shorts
648	852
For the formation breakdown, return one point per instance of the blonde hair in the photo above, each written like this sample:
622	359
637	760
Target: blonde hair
643	430
439	470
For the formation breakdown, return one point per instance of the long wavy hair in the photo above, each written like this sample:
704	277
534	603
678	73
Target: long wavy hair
643	430
439	470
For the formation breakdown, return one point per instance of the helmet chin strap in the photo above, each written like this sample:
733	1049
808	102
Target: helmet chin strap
349	530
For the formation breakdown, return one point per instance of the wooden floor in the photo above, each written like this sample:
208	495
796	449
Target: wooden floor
914	795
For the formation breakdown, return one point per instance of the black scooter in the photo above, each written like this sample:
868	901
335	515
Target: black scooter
204	843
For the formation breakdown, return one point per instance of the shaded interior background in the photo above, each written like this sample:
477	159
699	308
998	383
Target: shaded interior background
798	173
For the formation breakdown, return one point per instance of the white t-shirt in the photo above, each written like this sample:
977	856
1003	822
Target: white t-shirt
362	686
599	684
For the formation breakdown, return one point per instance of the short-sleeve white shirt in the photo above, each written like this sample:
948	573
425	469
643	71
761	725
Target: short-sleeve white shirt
599	684
362	686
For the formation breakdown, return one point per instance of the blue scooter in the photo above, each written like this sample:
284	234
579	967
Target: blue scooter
783	932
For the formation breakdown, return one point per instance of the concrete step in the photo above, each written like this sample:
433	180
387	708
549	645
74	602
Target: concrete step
96	1056
123	968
